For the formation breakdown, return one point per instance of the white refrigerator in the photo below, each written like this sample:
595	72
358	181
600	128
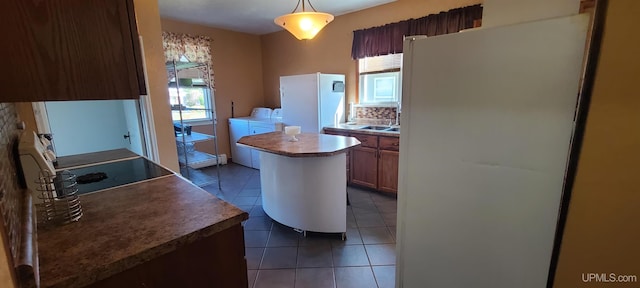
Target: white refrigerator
312	101
486	130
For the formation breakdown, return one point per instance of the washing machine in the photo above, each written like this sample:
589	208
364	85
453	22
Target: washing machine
261	120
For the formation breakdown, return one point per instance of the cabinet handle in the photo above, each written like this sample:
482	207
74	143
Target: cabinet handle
395	144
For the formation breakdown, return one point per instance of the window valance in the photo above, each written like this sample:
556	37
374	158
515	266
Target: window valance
387	39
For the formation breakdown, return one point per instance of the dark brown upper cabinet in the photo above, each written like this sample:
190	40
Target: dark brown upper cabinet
69	50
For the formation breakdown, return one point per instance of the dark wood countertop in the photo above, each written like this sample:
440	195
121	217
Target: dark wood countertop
309	145
93	158
126	226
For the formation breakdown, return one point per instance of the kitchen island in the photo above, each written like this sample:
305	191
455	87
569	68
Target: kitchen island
304	183
165	232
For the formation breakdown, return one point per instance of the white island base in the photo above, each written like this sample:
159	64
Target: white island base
305	193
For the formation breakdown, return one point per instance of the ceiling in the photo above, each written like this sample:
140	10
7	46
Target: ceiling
251	16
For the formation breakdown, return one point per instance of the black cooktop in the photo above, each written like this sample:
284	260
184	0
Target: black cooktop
108	175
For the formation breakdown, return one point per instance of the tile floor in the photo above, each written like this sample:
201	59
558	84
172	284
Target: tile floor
277	256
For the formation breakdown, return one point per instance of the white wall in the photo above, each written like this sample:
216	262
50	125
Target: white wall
506	12
87	126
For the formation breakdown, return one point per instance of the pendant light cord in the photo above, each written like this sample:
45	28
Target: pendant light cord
308	1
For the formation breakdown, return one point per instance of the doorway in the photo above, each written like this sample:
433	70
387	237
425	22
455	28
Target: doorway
79	127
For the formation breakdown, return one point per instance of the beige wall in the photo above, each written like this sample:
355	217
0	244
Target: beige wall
148	18
237	65
603	231
506	12
330	51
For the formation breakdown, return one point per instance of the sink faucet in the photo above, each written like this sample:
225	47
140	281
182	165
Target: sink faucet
390	122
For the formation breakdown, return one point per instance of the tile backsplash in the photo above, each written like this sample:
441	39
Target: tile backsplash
10	190
375	115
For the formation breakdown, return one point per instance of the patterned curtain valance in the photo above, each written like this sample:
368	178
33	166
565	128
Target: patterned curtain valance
387	39
194	48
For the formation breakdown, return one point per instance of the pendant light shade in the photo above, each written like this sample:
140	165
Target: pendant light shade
304	25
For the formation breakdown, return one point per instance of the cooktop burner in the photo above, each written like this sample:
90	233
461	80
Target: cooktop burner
113	174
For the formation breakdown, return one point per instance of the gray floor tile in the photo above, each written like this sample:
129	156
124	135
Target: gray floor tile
257	211
390	218
362	202
354	277
250	192
375	212
282	278
251	277
349	255
364	210
245	200
253	183
351	223
282	236
245	208
279	257
393	230
256	238
376	235
258	223
318	239
385	276
254	257
381	254
315	278
391	207
315	256
369	220
353	238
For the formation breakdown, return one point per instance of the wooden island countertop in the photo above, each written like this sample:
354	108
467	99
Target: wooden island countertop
130	225
309	144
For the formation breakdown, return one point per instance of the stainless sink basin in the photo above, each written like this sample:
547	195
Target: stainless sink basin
381	128
375	127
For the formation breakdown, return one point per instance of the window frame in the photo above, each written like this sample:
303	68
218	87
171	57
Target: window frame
208	103
385	68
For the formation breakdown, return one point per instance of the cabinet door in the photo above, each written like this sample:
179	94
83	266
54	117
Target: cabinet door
364	167
237	130
388	171
69	50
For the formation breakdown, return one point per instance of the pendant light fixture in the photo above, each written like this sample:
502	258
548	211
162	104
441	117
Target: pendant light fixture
304	25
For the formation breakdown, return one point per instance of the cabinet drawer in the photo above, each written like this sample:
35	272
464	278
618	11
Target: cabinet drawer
367	140
390	143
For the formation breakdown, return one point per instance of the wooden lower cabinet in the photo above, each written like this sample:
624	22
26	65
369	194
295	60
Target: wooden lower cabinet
364	170
214	261
373	164
388	171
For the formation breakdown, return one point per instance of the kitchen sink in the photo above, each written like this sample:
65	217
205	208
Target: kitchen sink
381	128
375	127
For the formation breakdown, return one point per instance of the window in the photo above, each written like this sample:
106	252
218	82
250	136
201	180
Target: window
380	79
194	97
